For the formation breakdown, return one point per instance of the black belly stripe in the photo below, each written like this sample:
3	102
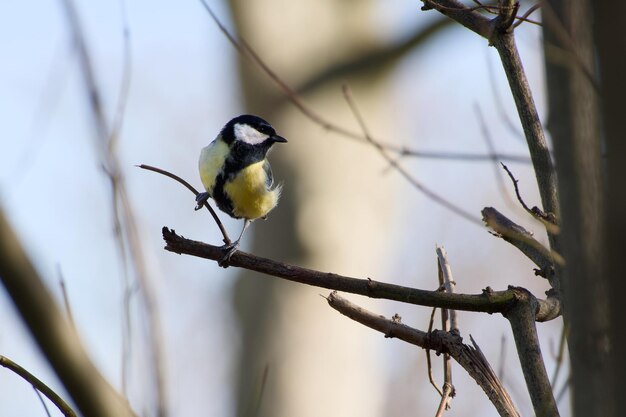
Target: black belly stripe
223	202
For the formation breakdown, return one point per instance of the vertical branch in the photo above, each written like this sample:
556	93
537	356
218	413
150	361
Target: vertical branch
124	219
504	42
522	319
537	144
448	323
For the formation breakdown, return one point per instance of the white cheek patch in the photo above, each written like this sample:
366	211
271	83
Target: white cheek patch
248	134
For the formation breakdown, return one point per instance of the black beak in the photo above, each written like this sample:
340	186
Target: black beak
280	139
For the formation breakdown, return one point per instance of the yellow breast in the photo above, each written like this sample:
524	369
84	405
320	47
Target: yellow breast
249	194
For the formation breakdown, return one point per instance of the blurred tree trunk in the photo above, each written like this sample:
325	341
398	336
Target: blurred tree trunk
574	123
282	325
610	18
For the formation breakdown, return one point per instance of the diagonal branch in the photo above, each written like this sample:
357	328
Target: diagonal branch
470	358
523	240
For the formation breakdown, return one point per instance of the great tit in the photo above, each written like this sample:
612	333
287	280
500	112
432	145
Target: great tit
236	174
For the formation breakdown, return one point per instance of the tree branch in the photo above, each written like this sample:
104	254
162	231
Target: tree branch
522	239
522	319
470	358
38	385
488	302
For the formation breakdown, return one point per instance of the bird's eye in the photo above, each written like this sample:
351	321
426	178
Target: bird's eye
265	129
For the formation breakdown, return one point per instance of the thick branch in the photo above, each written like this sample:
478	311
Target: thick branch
487	302
522	319
470	358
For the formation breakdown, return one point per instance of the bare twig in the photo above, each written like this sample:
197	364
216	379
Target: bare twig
546	218
392	162
42	401
446	281
195	192
524	17
502	357
39	386
66	299
560	356
492	151
445	398
448	322
429	365
566	386
470	358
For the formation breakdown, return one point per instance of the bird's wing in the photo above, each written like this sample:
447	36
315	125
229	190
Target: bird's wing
269	177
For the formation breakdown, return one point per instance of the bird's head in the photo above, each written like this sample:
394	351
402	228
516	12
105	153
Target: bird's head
250	130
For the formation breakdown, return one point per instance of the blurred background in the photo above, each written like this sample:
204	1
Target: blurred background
238	343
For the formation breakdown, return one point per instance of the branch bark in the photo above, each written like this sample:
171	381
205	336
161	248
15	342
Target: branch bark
522	319
488	302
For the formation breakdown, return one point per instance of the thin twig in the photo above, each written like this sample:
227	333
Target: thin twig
429	365
524	17
194	191
66	299
42	401
38	385
426	191
560	356
546	218
563	390
445	397
502	357
491	148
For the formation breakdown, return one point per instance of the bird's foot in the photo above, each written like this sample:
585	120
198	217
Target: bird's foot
201	199
229	251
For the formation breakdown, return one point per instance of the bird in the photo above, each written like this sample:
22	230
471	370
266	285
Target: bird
236	174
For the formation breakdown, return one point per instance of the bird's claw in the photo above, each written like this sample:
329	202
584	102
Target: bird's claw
229	250
201	200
